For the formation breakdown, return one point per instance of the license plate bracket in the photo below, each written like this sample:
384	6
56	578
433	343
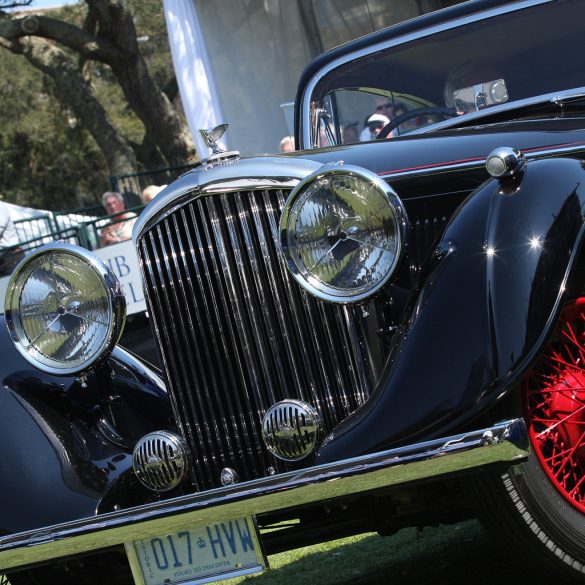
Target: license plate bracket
201	554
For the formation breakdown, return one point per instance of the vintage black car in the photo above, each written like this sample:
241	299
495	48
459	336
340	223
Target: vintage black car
361	335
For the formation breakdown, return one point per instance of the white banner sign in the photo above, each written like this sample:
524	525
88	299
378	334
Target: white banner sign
121	259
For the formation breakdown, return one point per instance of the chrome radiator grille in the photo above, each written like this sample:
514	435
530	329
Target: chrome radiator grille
237	334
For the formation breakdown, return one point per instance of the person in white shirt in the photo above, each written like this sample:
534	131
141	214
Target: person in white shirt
122	221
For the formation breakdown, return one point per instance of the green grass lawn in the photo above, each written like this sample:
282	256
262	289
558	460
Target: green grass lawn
451	555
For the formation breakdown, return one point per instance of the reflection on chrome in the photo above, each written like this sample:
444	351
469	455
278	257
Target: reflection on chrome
342	234
535	243
64	308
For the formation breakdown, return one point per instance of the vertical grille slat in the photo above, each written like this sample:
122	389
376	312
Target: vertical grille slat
156	288
201	401
251	325
287	363
208	311
179	337
266	337
248	434
309	346
237	332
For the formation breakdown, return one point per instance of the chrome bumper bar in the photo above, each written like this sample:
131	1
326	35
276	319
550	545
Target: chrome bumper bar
504	443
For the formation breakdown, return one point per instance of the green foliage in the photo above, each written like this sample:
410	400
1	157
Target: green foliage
47	160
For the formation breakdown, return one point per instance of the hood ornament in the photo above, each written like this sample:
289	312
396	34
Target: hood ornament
212	138
218	156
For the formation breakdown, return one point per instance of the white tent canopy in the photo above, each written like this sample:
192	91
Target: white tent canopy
237	62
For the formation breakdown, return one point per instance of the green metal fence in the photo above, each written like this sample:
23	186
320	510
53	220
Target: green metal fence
82	226
13	255
132	185
34	227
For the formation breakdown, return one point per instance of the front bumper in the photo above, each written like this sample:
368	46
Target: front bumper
505	443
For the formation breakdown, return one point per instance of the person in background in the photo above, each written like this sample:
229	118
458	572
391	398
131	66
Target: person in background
150	192
287	144
374	124
122	221
350	134
10	252
383	107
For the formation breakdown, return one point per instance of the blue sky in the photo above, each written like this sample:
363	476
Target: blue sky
47	3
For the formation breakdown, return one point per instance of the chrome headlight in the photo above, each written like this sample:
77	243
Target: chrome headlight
342	231
64	309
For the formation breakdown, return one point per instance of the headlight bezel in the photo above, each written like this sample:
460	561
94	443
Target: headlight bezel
116	304
324	292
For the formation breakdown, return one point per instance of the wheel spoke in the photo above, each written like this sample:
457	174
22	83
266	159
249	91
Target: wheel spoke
554	401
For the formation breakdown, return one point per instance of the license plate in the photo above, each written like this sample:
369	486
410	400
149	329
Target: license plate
199	555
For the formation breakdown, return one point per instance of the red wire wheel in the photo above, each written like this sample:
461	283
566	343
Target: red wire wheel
554	406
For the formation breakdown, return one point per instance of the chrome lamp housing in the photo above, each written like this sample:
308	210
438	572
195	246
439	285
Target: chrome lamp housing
64	309
343	231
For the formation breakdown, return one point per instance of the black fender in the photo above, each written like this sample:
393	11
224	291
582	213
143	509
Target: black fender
487	303
66	443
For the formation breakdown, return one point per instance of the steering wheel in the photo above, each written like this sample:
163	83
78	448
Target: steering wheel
428	111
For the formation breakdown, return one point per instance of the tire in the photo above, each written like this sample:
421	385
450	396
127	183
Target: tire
538	509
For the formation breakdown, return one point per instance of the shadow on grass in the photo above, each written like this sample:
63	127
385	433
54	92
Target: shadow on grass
451	555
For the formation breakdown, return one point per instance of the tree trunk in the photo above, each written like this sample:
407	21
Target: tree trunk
113	41
148	101
73	91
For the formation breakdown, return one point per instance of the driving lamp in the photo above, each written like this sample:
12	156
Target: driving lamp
64	309
342	232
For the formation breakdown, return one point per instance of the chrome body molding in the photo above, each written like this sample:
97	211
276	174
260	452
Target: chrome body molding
274	172
505	443
265	172
478	163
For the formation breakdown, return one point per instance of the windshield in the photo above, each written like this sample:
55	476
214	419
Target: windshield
481	65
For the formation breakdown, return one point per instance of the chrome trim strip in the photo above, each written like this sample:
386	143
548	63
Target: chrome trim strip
504	443
260	173
425	32
480	162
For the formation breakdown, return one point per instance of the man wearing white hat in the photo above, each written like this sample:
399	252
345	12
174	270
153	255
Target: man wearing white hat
374	124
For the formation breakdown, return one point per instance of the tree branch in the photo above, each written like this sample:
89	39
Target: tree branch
73	91
81	41
14	3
